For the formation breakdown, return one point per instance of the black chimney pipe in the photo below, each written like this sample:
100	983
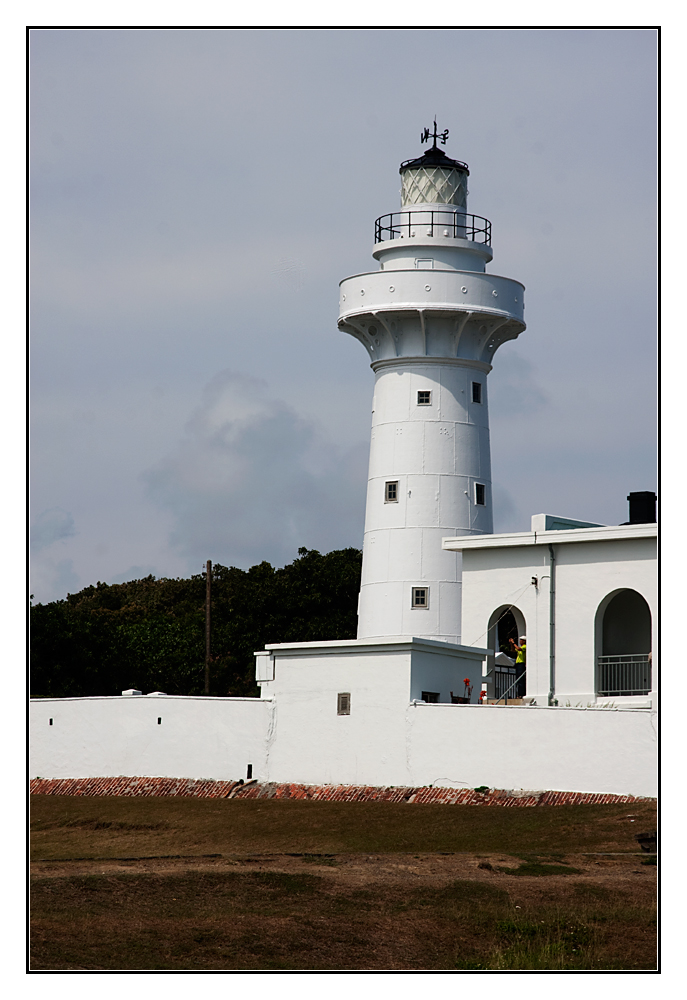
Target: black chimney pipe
642	508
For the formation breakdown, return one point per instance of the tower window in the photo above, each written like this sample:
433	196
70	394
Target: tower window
391	492
476	392
424	398
431	697
480	494
343	703
420	597
424	263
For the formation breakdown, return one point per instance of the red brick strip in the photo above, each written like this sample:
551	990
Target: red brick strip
206	788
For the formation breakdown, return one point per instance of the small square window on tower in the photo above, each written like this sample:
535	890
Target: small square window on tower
424	398
431	697
391	492
476	392
420	598
343	703
480	494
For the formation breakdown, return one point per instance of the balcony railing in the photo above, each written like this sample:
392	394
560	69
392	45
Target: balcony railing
509	682
623	675
432	222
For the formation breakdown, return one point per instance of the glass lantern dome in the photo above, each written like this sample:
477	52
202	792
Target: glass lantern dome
434	179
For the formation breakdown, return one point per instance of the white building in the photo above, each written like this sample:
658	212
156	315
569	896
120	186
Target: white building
585	598
402	703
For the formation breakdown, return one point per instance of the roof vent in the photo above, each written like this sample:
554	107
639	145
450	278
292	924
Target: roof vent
642	508
130	692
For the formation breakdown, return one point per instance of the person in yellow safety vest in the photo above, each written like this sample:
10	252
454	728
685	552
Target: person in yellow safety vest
520	651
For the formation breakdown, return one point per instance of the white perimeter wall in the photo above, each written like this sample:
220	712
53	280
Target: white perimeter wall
107	737
295	735
566	749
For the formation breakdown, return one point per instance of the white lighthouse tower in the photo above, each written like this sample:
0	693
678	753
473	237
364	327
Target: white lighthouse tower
431	319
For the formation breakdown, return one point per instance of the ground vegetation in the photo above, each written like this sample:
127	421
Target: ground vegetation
175	884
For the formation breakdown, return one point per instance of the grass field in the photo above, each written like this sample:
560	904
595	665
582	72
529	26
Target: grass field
182	883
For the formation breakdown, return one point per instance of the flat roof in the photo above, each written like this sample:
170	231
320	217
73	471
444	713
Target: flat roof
608	533
376	643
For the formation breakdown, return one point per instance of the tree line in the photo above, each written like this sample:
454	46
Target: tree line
149	634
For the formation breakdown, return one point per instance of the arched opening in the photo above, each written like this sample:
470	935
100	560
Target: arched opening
506	623
623	642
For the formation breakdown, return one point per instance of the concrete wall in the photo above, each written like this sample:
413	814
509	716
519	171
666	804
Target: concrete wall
103	737
315	745
594	750
296	735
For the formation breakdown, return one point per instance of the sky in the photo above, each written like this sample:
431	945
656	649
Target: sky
197	195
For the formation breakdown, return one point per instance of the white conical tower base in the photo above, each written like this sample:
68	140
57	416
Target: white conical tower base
430	444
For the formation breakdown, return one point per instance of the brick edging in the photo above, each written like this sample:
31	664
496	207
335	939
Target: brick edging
206	788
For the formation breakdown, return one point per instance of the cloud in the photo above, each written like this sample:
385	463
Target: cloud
52	576
52	579
51	526
291	272
254	480
133	573
177	225
513	389
507	515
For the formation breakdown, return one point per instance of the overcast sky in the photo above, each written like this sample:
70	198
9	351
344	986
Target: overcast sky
196	197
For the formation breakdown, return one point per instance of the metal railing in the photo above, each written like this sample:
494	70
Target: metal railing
454	163
432	222
505	679
623	675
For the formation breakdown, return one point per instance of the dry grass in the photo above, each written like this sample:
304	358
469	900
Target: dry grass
70	827
277	920
312	885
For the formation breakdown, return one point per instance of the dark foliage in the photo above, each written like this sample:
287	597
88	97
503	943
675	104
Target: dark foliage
150	634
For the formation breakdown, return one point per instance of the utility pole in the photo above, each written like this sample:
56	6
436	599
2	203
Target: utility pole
208	604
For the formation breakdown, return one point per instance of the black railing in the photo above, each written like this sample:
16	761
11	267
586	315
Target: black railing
453	163
433	222
509	681
624	675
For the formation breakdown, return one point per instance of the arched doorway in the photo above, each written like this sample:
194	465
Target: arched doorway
623	642
506	623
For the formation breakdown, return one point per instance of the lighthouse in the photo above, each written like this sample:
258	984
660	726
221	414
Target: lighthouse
431	319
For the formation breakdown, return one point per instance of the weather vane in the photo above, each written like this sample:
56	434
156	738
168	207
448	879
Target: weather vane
427	135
